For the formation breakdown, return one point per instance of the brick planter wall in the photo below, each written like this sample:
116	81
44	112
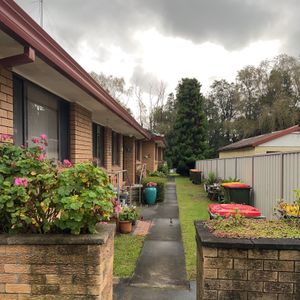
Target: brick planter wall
246	269
40	267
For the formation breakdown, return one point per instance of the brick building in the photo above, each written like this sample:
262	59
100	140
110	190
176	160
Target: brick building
44	90
153	152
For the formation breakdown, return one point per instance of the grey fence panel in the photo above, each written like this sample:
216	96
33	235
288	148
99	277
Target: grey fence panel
214	166
205	168
221	168
244	170
272	176
230	168
267	183
198	164
291	175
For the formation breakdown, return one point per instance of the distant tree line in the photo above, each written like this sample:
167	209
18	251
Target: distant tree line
262	99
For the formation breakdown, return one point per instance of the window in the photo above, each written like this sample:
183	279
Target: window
37	111
98	144
138	150
115	148
156	152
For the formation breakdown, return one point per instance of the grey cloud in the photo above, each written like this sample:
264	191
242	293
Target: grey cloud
231	23
144	80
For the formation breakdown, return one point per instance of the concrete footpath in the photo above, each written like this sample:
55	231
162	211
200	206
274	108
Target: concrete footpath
160	272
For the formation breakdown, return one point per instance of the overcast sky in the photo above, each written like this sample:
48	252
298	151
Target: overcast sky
151	40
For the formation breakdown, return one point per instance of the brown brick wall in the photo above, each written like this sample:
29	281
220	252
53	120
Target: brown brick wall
129	158
6	102
247	274
81	142
36	272
148	154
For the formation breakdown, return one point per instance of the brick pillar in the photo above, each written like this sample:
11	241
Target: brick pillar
148	155
108	149
81	144
129	158
6	102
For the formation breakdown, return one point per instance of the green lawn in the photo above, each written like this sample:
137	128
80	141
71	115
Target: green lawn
127	251
193	204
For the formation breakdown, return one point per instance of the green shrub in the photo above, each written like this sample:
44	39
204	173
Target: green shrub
39	196
231	179
84	195
163	168
160	181
157	174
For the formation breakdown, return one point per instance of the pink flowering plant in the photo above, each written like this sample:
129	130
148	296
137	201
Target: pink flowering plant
128	213
38	196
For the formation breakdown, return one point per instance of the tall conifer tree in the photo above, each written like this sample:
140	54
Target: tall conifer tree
190	128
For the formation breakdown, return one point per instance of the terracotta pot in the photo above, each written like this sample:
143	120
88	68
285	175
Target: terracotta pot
125	226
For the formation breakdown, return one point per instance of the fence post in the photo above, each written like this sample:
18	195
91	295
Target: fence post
281	175
217	166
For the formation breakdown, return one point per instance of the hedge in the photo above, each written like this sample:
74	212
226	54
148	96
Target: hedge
160	181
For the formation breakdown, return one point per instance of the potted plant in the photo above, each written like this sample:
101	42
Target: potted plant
127	215
150	193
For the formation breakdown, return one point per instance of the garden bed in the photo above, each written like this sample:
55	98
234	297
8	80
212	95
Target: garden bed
240	268
253	229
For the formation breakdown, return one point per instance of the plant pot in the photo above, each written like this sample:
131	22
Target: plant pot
150	194
125	226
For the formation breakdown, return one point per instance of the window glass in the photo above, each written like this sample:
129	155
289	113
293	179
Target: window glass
98	144
42	119
37	111
115	148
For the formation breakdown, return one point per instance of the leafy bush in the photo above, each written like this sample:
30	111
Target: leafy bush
163	168
231	179
160	181
84	195
157	174
183	167
38	196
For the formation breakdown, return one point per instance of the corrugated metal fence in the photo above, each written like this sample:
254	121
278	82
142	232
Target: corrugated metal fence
272	176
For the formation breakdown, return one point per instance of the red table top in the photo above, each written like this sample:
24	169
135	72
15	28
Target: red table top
230	209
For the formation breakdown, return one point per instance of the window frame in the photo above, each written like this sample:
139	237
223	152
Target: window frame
98	141
20	99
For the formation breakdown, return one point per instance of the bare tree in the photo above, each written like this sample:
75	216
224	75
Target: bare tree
154	96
